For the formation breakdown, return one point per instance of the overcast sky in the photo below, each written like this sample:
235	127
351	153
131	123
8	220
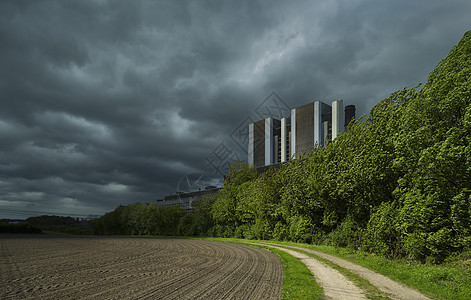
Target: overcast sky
105	103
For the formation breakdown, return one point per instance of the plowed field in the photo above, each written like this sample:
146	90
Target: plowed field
64	267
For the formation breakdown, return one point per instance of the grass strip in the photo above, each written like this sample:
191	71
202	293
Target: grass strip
298	281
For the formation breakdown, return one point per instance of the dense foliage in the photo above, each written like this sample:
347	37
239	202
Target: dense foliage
10	226
45	224
151	219
397	183
59	224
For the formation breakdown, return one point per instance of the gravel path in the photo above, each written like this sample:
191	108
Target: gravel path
388	286
55	267
335	285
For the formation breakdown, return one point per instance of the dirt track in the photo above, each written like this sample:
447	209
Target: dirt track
335	285
55	267
389	287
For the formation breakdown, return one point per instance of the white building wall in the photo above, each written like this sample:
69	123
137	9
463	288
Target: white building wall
325	132
284	136
269	140
338	118
250	158
293	133
318	128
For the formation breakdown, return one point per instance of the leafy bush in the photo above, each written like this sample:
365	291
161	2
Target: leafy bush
382	235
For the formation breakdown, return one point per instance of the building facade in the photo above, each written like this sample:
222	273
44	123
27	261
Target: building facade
310	126
186	200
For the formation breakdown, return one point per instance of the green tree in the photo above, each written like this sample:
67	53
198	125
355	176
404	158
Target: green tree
224	210
433	148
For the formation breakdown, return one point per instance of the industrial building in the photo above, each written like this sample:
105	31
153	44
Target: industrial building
186	199
313	125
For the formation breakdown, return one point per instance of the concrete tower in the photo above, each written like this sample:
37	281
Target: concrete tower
292	151
250	150
264	140
322	123
269	142
337	118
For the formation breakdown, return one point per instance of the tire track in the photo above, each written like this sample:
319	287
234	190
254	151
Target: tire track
237	272
244	279
251	278
184	280
214	273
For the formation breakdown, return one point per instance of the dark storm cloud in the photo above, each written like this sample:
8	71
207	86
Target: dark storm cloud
109	102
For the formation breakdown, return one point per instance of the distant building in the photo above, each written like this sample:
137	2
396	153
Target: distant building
313	125
186	199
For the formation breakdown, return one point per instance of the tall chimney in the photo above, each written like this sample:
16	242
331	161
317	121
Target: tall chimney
349	114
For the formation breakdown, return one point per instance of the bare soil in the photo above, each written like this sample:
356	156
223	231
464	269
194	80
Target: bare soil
65	267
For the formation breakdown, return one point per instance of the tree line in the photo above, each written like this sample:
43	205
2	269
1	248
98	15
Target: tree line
397	183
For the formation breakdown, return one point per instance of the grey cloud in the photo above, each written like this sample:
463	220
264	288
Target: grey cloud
109	102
